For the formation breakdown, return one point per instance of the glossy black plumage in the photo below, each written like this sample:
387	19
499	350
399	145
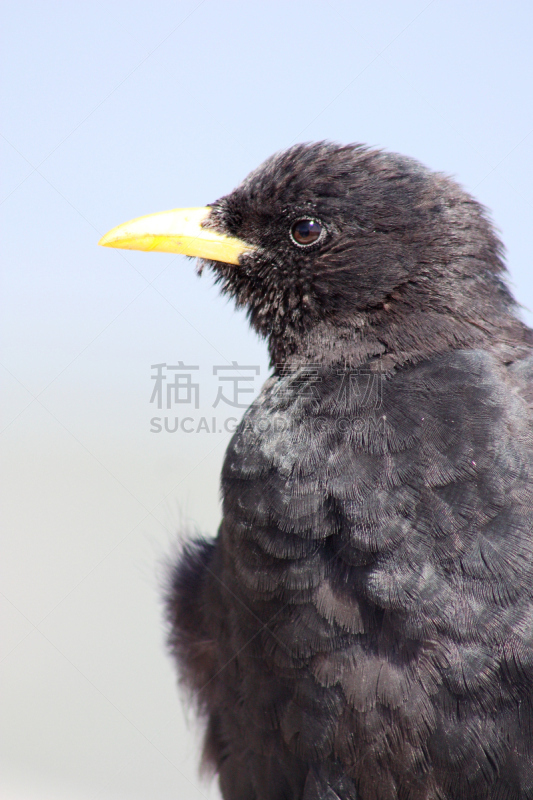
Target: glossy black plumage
362	626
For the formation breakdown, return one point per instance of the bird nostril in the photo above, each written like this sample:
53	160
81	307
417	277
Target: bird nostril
306	231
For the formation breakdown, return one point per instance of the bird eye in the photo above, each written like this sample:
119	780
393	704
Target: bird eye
306	231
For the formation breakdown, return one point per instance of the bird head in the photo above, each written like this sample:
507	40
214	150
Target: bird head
367	251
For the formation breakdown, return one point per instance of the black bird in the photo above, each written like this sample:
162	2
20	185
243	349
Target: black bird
362	625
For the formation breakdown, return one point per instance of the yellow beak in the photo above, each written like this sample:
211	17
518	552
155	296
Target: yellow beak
176	231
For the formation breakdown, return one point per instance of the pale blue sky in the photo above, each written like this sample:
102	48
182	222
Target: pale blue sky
113	110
